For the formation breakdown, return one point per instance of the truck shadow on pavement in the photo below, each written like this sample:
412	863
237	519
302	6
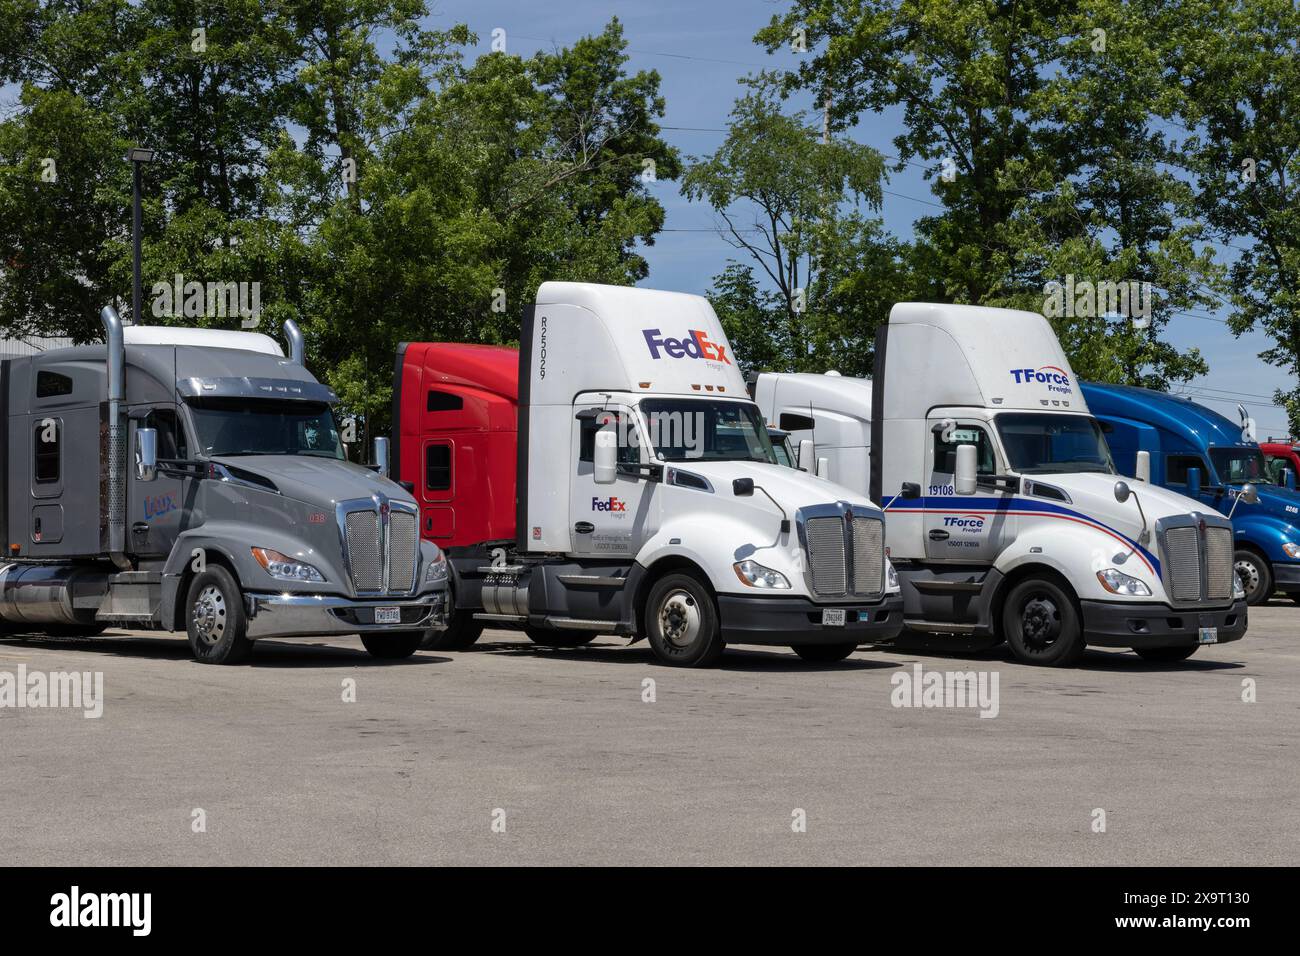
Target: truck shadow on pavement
267	653
936	647
738	657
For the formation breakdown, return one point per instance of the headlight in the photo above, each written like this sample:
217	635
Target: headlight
891	577
436	572
754	575
1117	582
1291	550
284	568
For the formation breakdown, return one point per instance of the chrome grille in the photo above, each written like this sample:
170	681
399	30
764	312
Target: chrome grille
868	556
1183	562
365	554
403	545
826	557
1218	563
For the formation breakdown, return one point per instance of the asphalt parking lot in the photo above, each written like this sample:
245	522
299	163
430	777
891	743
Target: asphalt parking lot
510	754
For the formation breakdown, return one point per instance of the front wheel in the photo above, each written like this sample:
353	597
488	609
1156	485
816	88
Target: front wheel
1040	622
1166	655
824	653
214	616
461	632
392	645
1255	575
682	623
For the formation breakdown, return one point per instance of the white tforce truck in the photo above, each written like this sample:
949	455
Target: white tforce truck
647	500
1006	516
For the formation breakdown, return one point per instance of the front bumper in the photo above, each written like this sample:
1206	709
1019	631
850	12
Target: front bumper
1286	577
316	615
1120	624
796	620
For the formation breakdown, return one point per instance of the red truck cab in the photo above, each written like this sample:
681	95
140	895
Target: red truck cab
1281	455
455	424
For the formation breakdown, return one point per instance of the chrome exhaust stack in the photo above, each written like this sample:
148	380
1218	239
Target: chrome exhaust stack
293	335
115	505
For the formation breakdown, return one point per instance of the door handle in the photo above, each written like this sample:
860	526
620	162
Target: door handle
584	527
140	527
937	535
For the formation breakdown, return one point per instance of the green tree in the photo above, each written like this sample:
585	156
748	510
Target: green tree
1239	66
796	207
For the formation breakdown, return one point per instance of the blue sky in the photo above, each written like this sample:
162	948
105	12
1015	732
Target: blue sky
701	50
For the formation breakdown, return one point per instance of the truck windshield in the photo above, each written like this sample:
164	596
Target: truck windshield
244	427
1047	443
1240	465
692	429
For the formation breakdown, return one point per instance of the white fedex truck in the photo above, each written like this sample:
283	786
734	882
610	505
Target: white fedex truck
1006	516
649	500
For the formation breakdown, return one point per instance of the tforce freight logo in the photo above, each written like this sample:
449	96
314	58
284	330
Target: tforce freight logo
970	524
1054	378
608	504
696	345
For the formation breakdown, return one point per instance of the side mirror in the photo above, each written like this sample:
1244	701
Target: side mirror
1249	493
381	455
1122	491
742	487
1288	479
910	490
1143	470
806	452
606	456
1194	482
965	479
146	454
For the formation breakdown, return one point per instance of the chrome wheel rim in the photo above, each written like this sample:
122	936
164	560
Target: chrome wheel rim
1248	574
679	618
209	615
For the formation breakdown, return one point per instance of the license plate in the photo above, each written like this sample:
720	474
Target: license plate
832	617
388	615
1209	635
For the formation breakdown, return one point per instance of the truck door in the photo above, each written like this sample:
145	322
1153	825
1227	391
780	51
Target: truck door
610	520
970	528
157	509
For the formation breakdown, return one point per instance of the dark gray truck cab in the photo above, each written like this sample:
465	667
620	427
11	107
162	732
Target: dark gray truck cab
220	504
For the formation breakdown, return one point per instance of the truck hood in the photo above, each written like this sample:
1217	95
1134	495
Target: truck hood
317	481
789	486
1094	496
1272	499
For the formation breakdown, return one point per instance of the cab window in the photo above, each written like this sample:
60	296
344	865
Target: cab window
171	436
47	443
945	452
625	424
1176	468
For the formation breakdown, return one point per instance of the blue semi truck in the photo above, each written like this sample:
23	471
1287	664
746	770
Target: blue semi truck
1200	453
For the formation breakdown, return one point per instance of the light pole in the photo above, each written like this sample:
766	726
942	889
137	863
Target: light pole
136	155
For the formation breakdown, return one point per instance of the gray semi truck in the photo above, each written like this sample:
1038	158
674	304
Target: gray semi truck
184	480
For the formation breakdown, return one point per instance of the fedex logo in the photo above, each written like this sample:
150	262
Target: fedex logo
696	345
608	504
971	524
1054	378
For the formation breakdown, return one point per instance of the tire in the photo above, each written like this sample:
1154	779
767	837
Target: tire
1255	574
214	618
824	653
681	622
461	632
555	637
392	645
1166	655
1041	624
